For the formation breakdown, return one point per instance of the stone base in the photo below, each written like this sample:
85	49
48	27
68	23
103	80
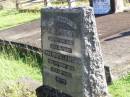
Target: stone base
46	91
108	75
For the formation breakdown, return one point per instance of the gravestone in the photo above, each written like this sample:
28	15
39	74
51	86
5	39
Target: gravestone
101	6
119	6
73	65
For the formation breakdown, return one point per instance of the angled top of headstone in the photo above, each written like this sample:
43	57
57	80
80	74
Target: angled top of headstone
73	62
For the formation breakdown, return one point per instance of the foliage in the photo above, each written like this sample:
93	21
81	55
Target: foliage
120	88
16	63
78	3
16	90
10	18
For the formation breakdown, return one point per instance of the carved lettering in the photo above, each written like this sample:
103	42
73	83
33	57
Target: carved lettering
60	80
62	32
60	64
62	57
64	73
61	40
66	21
62	48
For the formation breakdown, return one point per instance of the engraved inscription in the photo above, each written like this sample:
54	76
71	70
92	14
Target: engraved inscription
60	64
64	73
60	80
61	40
66	21
62	48
62	57
61	32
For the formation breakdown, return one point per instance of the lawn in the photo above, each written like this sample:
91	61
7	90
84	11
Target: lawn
11	18
121	87
11	72
16	67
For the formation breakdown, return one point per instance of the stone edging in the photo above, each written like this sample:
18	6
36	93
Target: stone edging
21	46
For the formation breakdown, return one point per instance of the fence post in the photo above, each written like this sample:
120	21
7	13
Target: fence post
17	4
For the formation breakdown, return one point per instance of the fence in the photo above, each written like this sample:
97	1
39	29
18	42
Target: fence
29	4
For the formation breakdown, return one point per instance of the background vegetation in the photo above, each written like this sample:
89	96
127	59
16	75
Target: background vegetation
120	88
11	18
20	69
18	64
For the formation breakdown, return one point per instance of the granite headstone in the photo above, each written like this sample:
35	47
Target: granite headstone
102	6
73	65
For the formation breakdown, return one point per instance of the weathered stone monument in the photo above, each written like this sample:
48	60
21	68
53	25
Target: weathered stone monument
73	65
102	7
119	6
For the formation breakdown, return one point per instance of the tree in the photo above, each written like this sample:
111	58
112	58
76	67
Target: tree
17	4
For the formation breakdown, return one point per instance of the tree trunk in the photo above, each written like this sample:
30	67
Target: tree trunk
45	2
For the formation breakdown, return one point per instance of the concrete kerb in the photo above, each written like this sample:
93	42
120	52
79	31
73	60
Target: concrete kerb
21	46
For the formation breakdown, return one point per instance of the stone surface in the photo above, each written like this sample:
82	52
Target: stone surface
119	6
117	59
73	62
102	6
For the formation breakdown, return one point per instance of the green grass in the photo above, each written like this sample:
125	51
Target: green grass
120	88
77	3
16	64
13	70
126	3
10	18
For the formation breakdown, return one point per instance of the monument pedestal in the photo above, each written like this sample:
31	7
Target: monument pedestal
46	91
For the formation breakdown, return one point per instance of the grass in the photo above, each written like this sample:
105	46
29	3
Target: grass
126	2
16	64
11	18
16	90
12	70
77	3
120	88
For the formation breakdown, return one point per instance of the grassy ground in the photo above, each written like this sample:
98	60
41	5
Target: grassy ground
15	68
15	64
120	88
77	3
11	72
126	2
10	18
